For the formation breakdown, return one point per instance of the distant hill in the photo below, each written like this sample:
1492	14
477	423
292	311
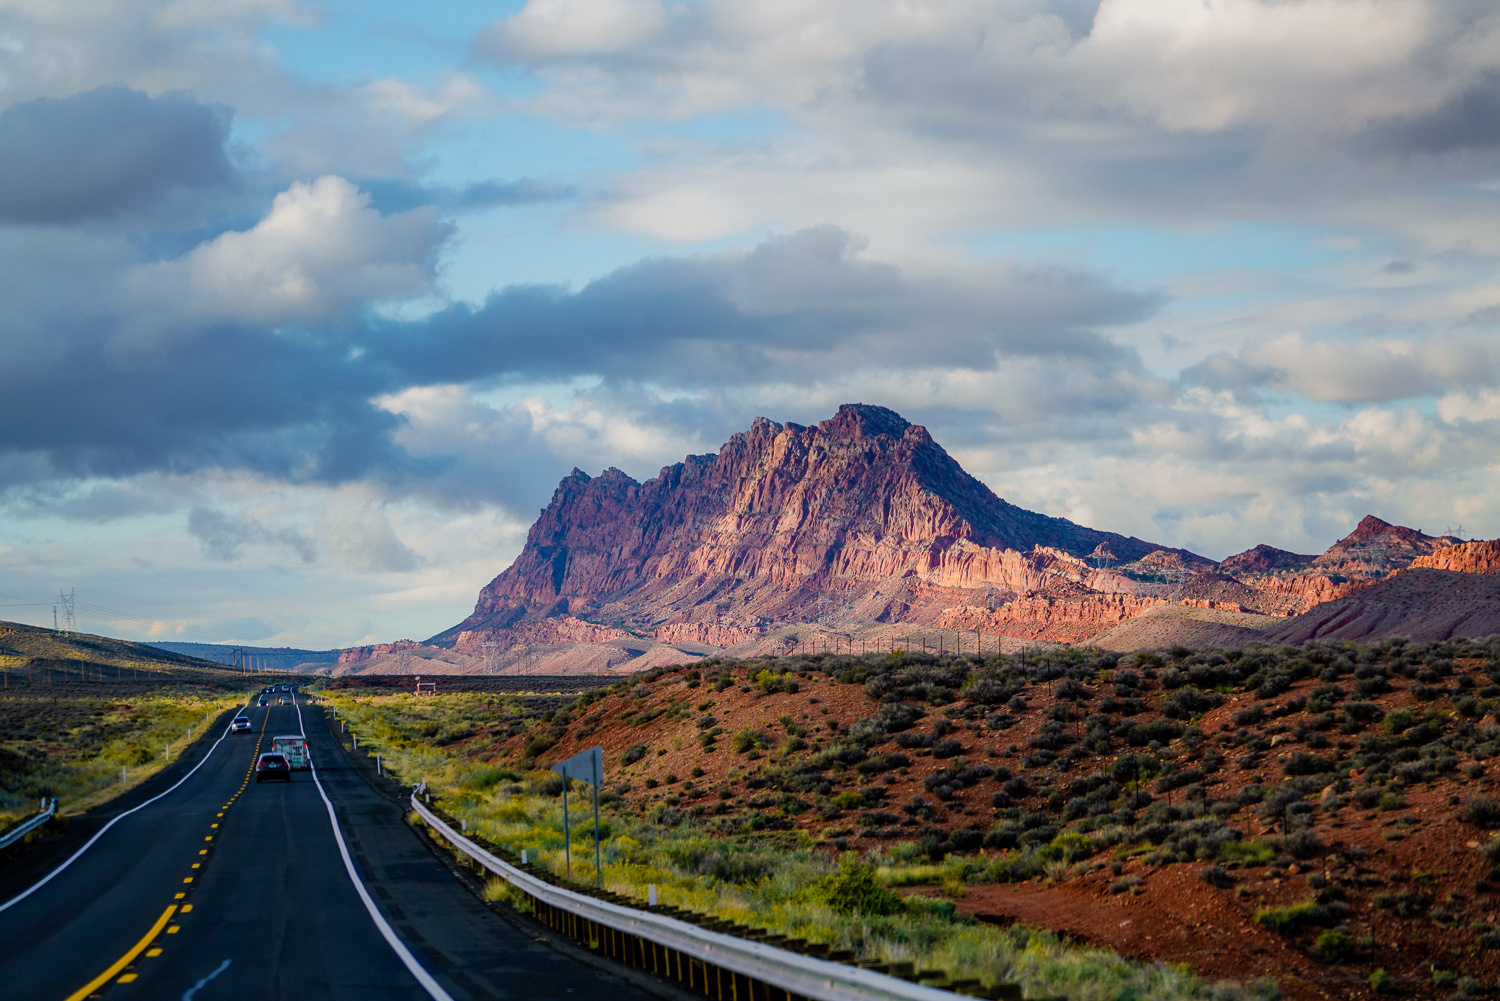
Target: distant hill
851	526
1419	604
274	658
55	650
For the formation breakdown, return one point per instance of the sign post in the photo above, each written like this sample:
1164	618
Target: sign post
585	766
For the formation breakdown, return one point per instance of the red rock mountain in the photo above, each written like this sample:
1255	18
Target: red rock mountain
861	518
860	525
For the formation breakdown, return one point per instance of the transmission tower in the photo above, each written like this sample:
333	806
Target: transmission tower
65	601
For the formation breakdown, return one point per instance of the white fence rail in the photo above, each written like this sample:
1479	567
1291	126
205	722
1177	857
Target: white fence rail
10	837
807	976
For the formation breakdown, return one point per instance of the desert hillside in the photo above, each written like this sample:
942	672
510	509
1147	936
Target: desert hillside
1313	815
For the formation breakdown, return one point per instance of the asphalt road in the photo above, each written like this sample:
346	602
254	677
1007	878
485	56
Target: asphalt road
226	889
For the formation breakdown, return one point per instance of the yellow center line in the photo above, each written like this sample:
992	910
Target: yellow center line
126	959
166	916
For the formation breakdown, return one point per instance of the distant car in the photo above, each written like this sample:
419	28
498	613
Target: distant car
241	724
272	766
282	701
294	748
264	702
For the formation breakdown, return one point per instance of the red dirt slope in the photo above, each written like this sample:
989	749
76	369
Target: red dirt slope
1418	604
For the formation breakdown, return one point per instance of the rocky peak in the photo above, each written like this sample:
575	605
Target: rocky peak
1264	559
765	526
864	420
1377	547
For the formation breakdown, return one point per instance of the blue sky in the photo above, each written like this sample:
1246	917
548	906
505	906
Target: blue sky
307	307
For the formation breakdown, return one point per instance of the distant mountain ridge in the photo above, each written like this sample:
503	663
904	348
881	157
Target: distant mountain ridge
863	510
853	526
276	658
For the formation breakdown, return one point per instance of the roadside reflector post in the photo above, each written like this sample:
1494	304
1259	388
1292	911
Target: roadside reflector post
463	825
651	895
123	780
523	857
378	770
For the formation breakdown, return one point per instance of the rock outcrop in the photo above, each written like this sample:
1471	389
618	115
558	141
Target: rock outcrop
1376	548
861	518
855	524
1465	557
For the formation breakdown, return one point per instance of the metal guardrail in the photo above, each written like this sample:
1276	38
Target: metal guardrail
793	973
49	810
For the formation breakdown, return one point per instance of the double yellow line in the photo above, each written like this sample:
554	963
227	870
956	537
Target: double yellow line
164	922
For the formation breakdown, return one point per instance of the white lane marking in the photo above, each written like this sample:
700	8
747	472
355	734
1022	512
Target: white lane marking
187	995
424	978
88	844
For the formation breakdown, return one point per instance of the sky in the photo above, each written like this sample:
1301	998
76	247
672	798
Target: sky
305	308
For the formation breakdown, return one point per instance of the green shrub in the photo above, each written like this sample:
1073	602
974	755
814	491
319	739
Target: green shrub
1334	945
853	890
1382	982
1287	920
492	777
746	740
538	745
633	754
1247	853
1157	730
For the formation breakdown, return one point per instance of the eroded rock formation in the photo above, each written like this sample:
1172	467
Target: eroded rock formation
862	520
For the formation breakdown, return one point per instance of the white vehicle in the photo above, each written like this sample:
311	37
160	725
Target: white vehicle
294	748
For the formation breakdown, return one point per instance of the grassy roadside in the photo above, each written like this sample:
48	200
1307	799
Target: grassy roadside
777	880
72	741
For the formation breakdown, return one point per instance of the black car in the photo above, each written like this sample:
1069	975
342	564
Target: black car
241	724
273	766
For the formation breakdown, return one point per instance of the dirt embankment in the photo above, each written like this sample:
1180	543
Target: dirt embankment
1165	807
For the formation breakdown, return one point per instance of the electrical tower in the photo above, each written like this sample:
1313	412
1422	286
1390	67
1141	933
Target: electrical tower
65	601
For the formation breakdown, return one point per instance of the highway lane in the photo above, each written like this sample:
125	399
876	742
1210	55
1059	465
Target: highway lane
271	910
59	937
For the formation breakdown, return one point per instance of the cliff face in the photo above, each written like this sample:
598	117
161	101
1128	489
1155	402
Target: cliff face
862	517
1466	557
859	521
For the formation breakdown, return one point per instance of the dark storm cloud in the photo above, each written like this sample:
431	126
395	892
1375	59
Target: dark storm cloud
795	309
1468	122
106	151
300	405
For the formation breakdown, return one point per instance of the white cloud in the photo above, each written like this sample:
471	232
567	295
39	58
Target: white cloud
319	254
570	27
1206	65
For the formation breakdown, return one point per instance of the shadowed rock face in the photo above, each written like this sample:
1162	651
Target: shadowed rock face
1264	559
862	517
